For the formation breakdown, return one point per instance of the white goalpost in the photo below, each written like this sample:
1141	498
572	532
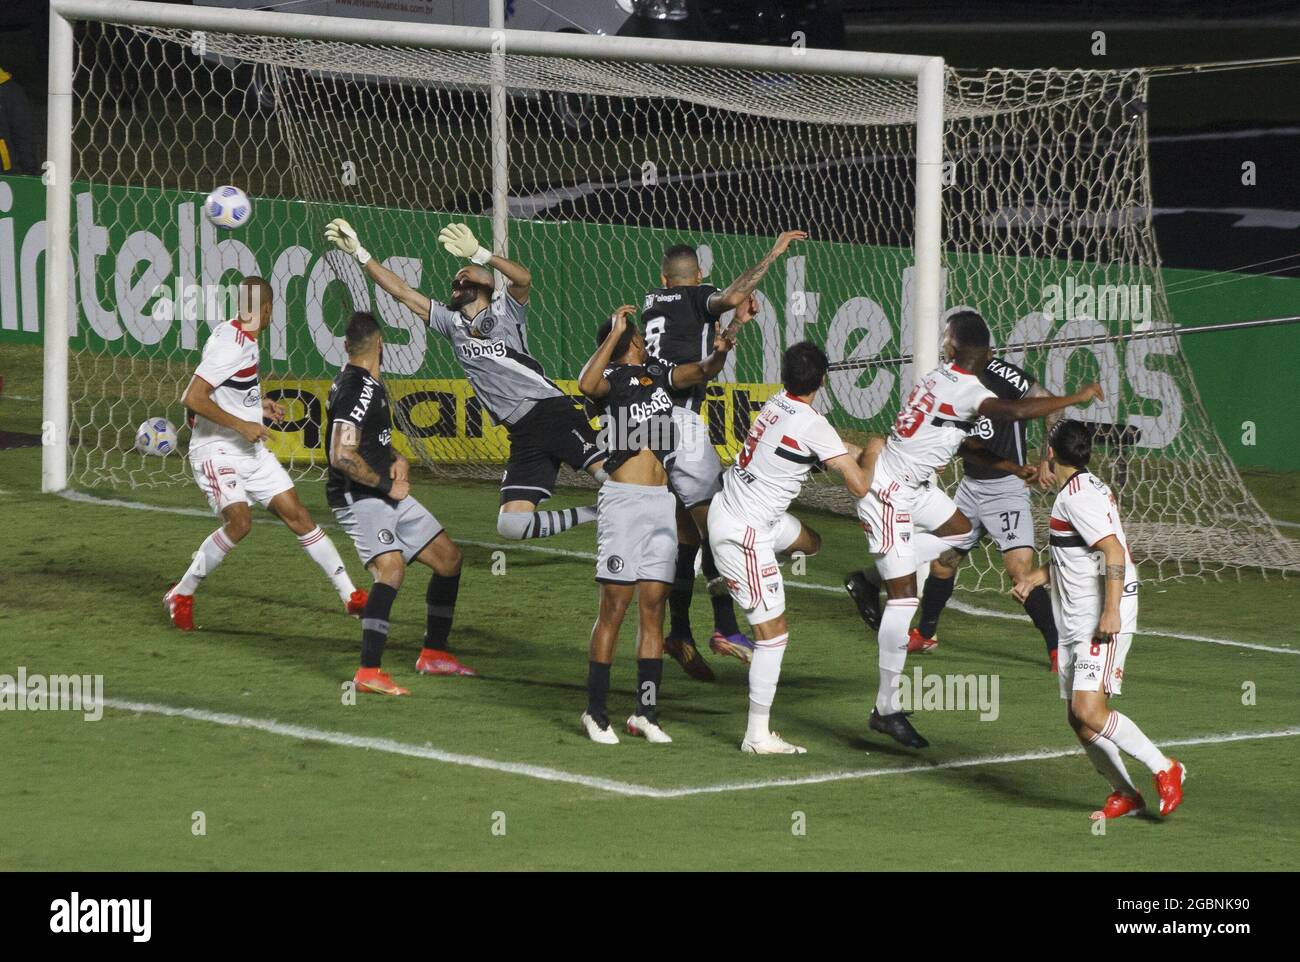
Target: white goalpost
925	190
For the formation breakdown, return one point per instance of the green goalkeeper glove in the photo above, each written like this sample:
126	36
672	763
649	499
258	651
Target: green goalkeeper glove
340	233
459	240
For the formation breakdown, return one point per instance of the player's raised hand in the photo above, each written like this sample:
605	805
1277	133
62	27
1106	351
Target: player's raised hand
619	319
459	241
253	431
400	489
1046	476
1091	392
786	238
1027	473
340	233
400	470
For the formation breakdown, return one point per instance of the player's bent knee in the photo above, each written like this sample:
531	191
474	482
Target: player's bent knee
514	524
238	523
389	569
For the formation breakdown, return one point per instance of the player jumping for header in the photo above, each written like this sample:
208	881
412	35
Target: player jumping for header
1096	613
636	532
996	501
680	321
908	519
489	338
231	464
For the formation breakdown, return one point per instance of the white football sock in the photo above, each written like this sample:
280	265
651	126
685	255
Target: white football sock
1106	758
764	673
892	641
210	554
317	544
1123	732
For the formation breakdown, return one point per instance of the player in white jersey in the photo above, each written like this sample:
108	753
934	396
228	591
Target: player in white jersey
1095	600
908	519
232	466
749	524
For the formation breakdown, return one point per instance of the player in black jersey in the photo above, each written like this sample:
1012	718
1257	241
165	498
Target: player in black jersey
680	321
369	491
636	527
996	468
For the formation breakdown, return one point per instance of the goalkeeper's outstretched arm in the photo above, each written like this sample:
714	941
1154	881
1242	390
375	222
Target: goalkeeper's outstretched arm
738	290
460	241
340	233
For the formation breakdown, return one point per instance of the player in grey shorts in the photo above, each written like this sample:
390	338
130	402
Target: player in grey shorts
994	495
636	520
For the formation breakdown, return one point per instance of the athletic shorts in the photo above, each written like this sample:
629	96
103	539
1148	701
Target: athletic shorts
892	511
554	432
1089	666
227	477
696	474
999	508
378	526
746	558
636	533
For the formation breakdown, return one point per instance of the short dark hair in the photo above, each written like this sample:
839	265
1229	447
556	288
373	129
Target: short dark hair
1071	442
803	367
624	342
679	260
969	330
362	328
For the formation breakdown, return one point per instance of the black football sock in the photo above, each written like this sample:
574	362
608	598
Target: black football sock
649	675
374	623
598	691
936	595
441	606
1039	608
679	599
724	612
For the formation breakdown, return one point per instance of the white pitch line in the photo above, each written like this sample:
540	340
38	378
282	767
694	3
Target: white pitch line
542	773
966	609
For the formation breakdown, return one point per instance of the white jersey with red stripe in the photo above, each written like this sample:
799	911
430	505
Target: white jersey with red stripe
1085	512
229	364
938	414
786	439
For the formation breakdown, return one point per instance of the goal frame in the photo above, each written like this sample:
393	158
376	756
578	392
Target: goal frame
926	72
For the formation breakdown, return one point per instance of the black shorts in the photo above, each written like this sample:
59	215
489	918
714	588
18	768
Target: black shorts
555	430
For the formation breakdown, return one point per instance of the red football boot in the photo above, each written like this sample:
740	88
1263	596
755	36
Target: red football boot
1118	805
180	608
357	603
917	642
1169	784
435	661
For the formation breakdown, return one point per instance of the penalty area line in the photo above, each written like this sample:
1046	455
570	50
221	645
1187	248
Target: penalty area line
613	786
954	604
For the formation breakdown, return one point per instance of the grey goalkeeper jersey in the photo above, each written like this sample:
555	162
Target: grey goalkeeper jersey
492	347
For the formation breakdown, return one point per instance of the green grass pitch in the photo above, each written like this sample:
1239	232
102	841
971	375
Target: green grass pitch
493	773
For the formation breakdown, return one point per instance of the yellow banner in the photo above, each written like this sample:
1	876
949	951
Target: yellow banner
448	425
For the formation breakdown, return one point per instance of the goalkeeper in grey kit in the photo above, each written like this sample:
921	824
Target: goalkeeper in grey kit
487	331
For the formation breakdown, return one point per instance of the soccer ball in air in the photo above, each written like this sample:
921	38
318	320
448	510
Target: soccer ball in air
157	436
228	207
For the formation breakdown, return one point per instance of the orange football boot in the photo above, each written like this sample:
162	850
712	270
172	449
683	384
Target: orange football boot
1169	784
357	603
375	681
917	642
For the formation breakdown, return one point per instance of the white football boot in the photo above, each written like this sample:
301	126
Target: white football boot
771	744
650	731
604	735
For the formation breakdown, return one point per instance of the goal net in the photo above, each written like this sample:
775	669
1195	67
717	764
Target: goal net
1046	230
